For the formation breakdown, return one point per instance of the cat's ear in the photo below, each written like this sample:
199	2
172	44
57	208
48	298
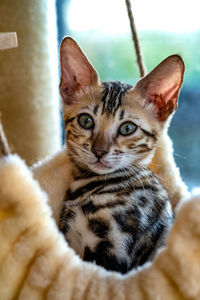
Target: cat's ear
162	85
77	72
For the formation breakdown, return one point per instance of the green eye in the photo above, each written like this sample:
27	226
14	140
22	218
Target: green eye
127	128
86	121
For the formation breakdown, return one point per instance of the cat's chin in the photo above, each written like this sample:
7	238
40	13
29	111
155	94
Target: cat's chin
100	168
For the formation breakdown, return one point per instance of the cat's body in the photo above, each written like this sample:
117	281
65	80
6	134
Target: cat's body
115	213
117	220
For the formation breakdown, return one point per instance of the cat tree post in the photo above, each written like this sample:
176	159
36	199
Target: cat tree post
29	101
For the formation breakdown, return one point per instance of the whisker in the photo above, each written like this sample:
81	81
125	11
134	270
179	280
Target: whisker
173	152
151	175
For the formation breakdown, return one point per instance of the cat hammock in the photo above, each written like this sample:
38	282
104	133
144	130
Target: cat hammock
36	263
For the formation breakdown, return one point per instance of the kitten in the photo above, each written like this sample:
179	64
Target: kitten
116	213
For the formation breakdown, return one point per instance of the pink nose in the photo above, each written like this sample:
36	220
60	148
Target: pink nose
98	152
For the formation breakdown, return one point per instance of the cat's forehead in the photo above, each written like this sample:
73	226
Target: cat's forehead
112	100
116	100
108	99
112	95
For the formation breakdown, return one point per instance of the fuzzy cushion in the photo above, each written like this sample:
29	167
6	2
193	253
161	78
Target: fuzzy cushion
36	263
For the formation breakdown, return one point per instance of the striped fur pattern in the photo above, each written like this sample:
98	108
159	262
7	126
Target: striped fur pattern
116	213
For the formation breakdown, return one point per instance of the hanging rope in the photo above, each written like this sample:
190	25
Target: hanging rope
135	40
4	148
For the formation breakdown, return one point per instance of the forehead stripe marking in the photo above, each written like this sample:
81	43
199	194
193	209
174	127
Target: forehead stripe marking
121	115
112	95
96	109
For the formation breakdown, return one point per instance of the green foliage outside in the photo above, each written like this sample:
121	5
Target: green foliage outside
114	56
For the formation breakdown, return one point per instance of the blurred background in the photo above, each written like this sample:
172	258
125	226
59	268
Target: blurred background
165	27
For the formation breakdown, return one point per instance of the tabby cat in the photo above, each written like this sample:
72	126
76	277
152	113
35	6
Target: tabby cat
115	213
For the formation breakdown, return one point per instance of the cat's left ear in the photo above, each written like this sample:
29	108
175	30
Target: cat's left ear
77	73
162	85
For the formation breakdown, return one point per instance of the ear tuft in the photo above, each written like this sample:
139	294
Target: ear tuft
162	86
77	72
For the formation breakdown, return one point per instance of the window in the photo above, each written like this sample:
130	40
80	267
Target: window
165	28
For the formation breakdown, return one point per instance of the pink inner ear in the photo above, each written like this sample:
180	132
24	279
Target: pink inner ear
76	71
161	86
68	87
165	102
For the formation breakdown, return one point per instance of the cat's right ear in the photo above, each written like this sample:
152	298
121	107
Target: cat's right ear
77	73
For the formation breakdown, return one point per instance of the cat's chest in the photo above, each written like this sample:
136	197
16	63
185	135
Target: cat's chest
89	214
90	199
113	220
98	191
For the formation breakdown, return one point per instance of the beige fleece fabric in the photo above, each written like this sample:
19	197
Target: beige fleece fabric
36	262
29	101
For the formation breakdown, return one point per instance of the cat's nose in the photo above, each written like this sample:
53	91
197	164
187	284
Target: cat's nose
99	152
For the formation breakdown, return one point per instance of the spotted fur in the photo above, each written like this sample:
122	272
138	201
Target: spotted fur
117	219
115	213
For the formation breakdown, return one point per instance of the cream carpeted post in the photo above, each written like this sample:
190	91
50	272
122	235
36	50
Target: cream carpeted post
29	101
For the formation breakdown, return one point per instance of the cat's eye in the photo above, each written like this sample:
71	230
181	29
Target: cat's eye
127	128
86	121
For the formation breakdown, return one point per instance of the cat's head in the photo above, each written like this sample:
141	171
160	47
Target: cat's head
111	125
